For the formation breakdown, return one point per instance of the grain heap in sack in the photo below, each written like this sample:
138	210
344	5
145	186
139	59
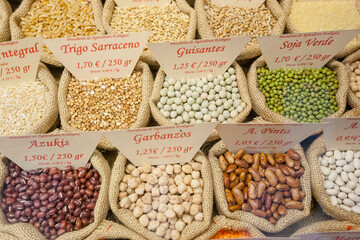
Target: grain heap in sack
5	12
352	64
105	104
56	19
172	201
167	23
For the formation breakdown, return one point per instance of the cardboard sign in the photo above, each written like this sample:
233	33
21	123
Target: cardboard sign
351	235
161	145
19	60
342	133
50	150
303	50
139	3
238	3
198	58
107	56
268	138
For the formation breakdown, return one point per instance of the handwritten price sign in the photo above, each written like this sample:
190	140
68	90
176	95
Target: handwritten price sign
238	3
138	3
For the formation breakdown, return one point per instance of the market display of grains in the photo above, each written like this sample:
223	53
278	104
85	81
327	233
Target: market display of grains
264	184
303	95
230	233
209	99
164	198
355	78
104	104
53	201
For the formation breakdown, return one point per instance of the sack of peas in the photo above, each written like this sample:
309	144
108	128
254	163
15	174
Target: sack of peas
105	104
328	226
5	12
47	203
228	21
167	23
223	98
56	19
352	64
301	95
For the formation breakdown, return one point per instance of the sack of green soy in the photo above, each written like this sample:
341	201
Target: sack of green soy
258	99
164	201
221	222
211	19
241	87
25	230
112	230
111	105
170	23
352	64
54	19
29	107
328	226
5	12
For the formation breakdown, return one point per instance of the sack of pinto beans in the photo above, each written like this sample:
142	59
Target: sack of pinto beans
48	203
269	191
301	95
172	201
328	226
352	64
223	98
5	12
105	104
167	23
56	19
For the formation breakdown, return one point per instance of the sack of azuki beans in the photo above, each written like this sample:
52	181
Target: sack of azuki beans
240	89
181	25
352	64
91	217
164	201
221	16
286	216
89	106
328	226
259	103
5	12
29	107
58	20
112	230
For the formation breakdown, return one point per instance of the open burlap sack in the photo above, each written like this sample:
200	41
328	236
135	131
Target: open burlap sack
5	12
251	50
243	90
143	116
7	236
258	99
328	226
28	231
353	101
127	218
24	8
147	55
291	216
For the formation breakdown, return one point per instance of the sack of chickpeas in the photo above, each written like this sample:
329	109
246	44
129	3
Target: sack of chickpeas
300	95
56	19
29	107
223	98
47	203
105	104
227	21
328	226
5	12
172	201
352	64
174	22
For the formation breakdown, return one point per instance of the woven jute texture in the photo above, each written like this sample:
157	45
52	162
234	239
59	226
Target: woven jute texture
328	226
147	55
127	218
143	116
243	90
347	50
112	230
221	222
258	99
7	236
28	231
353	101
251	50
5	12
24	8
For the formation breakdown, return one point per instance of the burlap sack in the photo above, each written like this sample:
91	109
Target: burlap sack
147	56
112	230
251	50
28	231
347	50
291	216
221	222
7	236
258	99
143	116
243	90
353	101
24	8
126	216
328	226
5	12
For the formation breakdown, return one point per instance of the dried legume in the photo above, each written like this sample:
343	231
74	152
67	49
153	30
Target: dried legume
229	233
355	78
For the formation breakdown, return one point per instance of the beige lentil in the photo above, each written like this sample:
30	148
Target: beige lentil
355	78
104	104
